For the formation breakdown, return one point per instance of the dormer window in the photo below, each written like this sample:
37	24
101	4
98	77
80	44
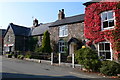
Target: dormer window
63	31
107	20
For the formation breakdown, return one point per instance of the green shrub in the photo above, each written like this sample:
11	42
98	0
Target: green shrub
20	57
110	68
88	58
28	54
46	47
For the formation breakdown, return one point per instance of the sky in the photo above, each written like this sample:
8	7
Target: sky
23	13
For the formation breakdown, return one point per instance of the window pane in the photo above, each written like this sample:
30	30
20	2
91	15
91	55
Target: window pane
111	23
62	49
59	43
108	55
61	46
101	46
110	15
104	16
63	43
102	54
107	46
60	33
105	24
63	33
66	30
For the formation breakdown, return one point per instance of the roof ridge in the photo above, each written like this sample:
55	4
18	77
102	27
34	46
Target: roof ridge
47	23
18	25
76	15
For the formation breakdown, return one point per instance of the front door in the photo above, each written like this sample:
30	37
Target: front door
72	48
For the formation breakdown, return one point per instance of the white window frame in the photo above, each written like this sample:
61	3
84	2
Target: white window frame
63	31
61	46
106	51
107	20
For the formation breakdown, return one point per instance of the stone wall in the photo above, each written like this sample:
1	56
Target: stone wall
19	43
75	30
12	38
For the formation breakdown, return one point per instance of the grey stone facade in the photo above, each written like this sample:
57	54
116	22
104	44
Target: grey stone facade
75	38
75	30
15	38
18	38
9	41
14	43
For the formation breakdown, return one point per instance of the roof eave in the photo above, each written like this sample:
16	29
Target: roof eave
67	23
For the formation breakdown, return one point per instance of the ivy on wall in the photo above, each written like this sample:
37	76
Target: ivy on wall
92	27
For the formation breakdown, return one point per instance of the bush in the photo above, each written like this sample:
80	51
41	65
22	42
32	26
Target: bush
20	57
28	54
110	68
88	58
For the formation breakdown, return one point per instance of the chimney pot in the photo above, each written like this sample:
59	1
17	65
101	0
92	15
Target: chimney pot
35	22
61	14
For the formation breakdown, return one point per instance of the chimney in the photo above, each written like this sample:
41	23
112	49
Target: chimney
35	23
61	14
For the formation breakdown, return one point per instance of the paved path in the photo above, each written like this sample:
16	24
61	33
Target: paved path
14	68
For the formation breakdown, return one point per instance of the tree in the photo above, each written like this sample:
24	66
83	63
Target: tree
46	47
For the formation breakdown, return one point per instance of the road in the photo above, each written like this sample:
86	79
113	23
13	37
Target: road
14	68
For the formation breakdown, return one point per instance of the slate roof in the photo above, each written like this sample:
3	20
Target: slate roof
69	20
19	30
40	29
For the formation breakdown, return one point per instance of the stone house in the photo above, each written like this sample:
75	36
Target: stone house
102	28
16	38
66	33
38	32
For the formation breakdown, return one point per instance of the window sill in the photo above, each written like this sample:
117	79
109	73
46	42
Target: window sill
109	28
109	59
63	36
